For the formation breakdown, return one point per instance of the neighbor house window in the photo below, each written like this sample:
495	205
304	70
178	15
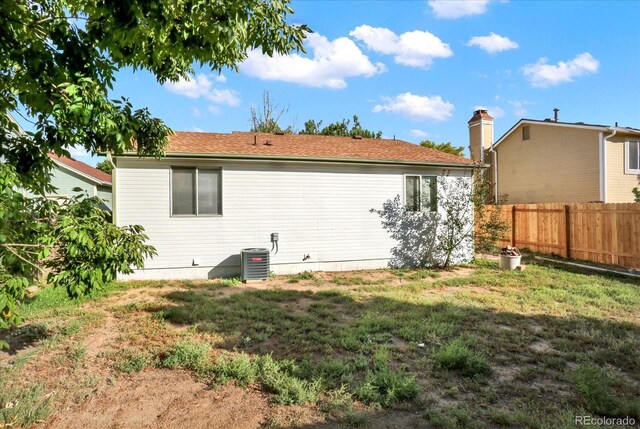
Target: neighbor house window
632	157
525	133
420	193
195	191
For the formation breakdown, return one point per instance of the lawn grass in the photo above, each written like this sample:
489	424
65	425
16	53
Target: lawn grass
526	348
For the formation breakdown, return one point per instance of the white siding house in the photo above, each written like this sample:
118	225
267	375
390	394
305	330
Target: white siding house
320	207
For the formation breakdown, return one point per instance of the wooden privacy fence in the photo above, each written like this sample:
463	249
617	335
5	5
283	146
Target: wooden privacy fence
603	233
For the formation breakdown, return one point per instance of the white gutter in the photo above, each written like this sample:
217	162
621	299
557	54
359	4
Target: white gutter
603	163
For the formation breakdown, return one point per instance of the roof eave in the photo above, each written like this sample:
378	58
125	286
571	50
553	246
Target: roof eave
244	157
81	173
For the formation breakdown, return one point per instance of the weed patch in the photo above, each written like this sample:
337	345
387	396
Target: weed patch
23	406
129	360
458	357
188	354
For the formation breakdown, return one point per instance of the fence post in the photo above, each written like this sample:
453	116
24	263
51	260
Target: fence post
567	232
513	225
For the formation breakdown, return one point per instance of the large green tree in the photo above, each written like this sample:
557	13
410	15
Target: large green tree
443	147
340	128
58	62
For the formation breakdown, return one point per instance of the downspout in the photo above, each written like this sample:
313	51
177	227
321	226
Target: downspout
603	164
495	175
113	188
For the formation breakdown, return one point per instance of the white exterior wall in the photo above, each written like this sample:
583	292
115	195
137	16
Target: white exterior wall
318	210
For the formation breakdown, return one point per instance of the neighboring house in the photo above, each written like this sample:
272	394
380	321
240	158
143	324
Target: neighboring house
550	161
213	194
71	173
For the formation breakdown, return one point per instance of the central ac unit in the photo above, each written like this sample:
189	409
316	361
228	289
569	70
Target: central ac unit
254	264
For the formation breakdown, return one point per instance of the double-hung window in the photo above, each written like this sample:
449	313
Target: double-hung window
196	191
420	193
632	157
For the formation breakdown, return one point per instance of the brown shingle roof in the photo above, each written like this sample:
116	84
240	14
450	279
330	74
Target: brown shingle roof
97	175
248	144
480	114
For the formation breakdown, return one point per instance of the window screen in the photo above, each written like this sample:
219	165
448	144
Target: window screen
209	192
412	193
634	156
428	194
182	191
420	193
195	192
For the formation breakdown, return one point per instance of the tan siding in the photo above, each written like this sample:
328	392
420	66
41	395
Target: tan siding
474	141
619	184
556	164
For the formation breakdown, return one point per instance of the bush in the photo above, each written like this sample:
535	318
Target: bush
458	357
187	354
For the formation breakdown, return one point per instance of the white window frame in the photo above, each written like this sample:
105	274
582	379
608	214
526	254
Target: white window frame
627	160
189	167
434	208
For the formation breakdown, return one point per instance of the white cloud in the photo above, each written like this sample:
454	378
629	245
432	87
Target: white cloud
220	78
418	107
419	133
495	111
213	109
331	63
493	43
519	107
195	112
197	130
454	9
78	152
414	48
542	75
200	86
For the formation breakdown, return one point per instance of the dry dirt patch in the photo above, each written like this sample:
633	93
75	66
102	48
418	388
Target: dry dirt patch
165	399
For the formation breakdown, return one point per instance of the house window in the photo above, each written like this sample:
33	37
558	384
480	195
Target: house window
632	157
420	193
195	192
525	132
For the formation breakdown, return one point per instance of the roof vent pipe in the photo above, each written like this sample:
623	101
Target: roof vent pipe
555	114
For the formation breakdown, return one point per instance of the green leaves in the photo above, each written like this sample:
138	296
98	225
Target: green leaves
60	72
57	74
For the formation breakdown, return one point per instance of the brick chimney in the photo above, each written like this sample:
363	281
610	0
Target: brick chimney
480	135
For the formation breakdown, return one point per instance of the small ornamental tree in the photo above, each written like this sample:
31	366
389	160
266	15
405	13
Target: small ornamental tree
636	192
448	235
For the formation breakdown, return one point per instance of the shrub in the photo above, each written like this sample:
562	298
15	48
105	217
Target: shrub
187	354
458	357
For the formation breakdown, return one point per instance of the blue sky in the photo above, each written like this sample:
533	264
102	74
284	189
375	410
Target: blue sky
417	69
